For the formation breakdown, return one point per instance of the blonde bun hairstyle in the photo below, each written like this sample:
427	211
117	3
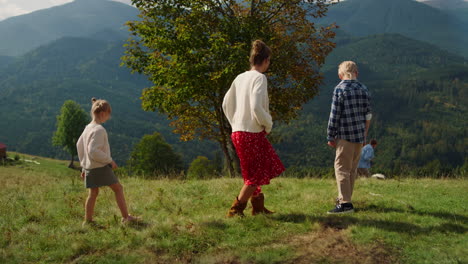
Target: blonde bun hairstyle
259	53
99	106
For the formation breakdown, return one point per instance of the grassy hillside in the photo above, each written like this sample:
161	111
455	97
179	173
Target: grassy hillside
408	221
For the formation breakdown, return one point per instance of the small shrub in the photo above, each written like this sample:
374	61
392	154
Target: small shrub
153	156
201	168
17	157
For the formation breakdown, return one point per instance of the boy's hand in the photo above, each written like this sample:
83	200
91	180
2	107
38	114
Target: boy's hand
114	165
332	144
82	175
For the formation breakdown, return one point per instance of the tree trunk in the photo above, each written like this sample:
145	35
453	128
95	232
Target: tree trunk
235	158
228	159
225	142
71	165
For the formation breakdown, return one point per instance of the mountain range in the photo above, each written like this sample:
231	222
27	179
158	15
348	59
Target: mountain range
413	63
447	4
81	18
406	17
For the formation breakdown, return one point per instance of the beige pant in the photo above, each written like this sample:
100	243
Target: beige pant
346	162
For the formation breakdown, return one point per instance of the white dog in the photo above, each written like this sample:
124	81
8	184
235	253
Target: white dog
378	176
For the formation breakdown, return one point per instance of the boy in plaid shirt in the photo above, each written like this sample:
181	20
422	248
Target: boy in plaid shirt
347	130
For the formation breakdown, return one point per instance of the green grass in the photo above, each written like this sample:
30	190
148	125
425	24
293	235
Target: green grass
406	221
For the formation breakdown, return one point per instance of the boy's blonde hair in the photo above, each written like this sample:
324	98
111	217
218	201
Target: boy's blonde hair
348	69
99	106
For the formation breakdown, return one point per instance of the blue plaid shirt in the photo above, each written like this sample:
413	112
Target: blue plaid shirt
350	105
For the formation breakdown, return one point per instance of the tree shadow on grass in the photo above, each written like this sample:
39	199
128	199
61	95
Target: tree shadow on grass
344	221
411	210
215	224
137	225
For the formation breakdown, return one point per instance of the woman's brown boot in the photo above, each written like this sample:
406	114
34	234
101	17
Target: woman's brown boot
237	208
258	205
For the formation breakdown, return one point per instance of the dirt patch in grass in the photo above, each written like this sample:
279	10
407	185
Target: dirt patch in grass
331	245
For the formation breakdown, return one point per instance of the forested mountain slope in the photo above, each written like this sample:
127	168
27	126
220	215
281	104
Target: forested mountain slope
406	17
34	87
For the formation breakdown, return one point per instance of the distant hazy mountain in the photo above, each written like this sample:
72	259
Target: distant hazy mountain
80	18
447	4
407	17
456	8
5	60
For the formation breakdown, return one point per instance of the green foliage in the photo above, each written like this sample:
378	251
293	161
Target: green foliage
153	156
201	168
70	125
202	45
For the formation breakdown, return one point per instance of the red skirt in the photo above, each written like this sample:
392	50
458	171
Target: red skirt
259	161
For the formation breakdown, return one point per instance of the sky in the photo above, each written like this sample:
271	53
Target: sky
9	8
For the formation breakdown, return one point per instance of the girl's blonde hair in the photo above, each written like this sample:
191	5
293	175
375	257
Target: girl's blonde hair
348	69
259	53
99	106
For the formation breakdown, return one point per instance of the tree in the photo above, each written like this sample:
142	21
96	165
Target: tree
70	125
192	50
201	168
153	155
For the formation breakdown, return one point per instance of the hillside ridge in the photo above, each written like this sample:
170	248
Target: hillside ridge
79	18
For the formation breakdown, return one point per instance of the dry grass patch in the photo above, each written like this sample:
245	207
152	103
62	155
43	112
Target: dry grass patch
332	245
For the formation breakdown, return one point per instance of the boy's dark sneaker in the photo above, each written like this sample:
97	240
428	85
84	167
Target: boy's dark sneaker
343	208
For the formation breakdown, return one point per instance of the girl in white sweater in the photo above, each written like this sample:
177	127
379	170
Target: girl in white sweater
96	161
246	107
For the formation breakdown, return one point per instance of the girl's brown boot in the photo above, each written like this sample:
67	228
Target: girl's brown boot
237	208
258	205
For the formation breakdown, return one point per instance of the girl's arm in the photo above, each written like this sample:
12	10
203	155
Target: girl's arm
80	148
80	151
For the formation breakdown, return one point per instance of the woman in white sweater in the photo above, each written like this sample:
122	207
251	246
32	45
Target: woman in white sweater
246	107
96	161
